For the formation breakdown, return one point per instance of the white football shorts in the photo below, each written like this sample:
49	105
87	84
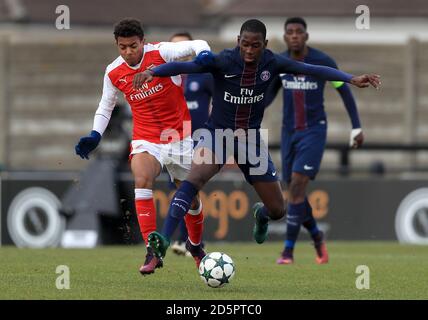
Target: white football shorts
175	156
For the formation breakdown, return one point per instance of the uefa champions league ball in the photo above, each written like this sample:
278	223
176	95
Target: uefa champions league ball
216	269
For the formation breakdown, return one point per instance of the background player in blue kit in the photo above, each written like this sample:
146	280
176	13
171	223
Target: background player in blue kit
304	132
198	90
242	76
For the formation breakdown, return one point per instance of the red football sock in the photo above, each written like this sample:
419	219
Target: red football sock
146	212
195	224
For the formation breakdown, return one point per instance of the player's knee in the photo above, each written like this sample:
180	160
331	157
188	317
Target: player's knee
198	182
143	181
277	210
277	213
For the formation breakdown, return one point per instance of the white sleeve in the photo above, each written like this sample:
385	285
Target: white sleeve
171	51
106	105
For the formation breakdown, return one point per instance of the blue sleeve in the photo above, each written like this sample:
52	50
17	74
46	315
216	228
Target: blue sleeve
350	105
209	84
286	65
272	90
176	68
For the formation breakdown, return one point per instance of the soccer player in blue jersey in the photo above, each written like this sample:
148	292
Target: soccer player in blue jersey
198	90
304	133
241	76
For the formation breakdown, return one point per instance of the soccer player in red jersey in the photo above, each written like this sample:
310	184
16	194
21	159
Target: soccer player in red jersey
161	123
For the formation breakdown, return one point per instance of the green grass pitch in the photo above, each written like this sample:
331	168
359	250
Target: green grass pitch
396	272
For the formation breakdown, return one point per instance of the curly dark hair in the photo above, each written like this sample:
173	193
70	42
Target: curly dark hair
254	25
298	20
128	27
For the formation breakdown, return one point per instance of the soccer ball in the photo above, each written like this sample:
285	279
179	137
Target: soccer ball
216	269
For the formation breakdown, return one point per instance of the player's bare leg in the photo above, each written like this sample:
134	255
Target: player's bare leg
204	167
145	168
273	207
297	187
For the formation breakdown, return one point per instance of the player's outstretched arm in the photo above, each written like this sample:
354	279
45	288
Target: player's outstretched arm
326	73
175	51
201	64
167	70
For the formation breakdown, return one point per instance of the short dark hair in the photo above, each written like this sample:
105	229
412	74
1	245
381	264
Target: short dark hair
182	34
128	27
254	25
298	20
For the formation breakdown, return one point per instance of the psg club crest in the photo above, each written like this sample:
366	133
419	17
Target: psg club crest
265	75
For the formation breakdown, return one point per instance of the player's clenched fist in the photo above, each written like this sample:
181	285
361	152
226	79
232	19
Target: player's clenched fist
366	80
357	138
142	77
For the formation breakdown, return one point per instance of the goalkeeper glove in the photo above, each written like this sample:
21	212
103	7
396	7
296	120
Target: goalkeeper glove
87	144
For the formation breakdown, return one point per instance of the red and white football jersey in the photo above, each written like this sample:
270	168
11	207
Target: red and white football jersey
159	108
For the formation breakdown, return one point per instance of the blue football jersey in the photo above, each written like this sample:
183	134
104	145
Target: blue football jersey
303	95
239	94
198	90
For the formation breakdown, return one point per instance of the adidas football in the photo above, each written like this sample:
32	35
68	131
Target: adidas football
216	269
